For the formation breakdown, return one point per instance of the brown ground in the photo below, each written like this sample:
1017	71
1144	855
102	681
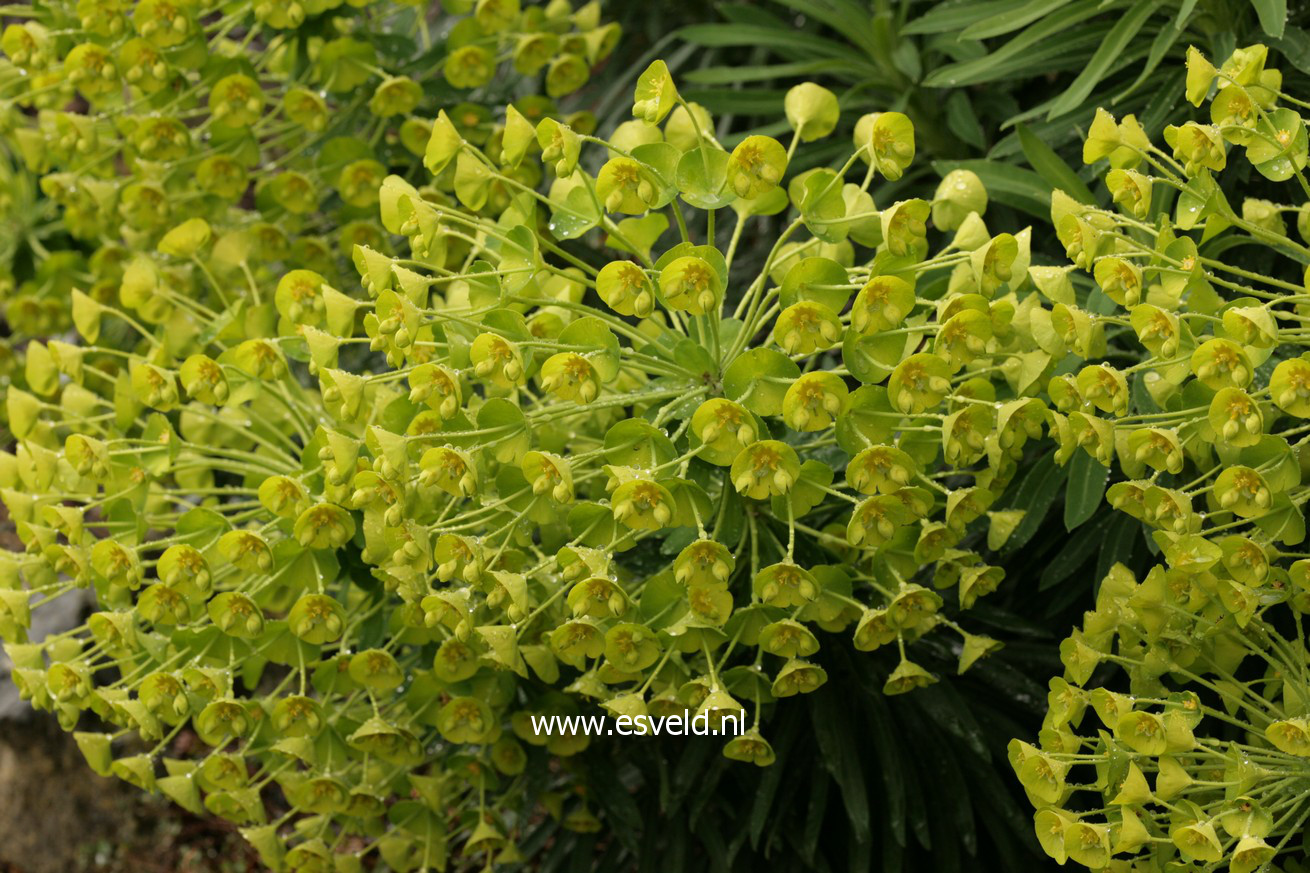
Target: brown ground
56	816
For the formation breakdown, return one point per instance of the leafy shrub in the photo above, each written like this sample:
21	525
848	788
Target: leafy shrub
155	127
360	594
968	73
675	420
1197	400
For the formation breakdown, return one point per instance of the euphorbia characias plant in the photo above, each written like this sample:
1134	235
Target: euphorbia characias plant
571	451
196	145
1177	737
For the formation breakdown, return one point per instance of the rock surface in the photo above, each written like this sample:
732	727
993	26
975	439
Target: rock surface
52	807
53	617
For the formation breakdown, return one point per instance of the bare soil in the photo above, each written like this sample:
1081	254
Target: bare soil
57	816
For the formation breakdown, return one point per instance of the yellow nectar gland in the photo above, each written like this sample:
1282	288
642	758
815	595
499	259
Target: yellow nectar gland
499	356
704	558
1298	385
765	463
752	166
632	283
455	470
957	333
1224	359
728	419
789	579
875	467
917	380
872	516
1241	414
808	330
695	283
1161	326
876	298
627	176
816	402
551	479
644	504
320	612
1247	487
574	380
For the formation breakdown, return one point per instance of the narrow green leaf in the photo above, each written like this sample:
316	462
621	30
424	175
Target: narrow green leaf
1273	16
1119	543
893	857
950	713
956	15
1111	50
1036	493
1026	45
843	16
1075	552
728	36
920	737
833	731
752	13
1056	54
963	121
1051	167
620	806
1057	135
687	774
1184	13
815	809
1164	101
1295	46
999	819
753	102
1011	19
711	838
946	771
762	73
1086	489
1164	40
769	782
885	744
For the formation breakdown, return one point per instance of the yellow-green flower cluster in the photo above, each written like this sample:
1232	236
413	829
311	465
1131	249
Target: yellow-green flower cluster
265	128
571	451
1177	737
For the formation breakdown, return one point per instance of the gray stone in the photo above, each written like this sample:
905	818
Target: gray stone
54	617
